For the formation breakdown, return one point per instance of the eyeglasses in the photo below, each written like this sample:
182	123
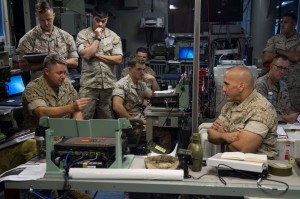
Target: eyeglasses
281	68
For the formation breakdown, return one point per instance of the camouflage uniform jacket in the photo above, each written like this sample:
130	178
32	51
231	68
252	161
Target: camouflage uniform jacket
148	70
280	91
95	73
279	41
132	94
254	114
35	41
39	93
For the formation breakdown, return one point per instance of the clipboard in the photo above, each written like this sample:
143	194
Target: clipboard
35	57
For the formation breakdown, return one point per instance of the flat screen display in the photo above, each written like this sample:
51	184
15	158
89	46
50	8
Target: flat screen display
15	86
186	53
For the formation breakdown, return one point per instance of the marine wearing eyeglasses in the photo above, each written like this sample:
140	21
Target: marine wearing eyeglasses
273	82
287	43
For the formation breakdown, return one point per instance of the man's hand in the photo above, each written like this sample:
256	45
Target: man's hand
218	126
148	77
80	104
291	118
99	32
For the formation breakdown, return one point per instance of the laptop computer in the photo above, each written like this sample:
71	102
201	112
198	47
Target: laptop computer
15	88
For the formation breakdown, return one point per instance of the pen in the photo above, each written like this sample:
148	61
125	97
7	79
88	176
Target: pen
93	98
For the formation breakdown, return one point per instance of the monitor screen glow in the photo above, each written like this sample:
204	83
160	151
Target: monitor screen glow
186	53
15	86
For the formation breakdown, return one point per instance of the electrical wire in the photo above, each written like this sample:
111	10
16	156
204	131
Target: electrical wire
31	190
263	187
207	174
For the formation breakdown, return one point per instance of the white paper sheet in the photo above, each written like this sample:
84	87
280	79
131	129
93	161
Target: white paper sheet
281	132
126	174
28	171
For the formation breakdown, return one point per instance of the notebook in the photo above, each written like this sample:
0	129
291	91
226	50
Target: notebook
15	88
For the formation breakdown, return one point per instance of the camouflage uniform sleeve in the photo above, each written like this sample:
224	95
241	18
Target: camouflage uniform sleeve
286	98
119	90
124	72
257	127
261	87
270	45
25	45
81	38
117	46
34	99
260	118
72	47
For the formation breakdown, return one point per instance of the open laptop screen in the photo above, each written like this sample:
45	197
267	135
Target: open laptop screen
186	53
15	86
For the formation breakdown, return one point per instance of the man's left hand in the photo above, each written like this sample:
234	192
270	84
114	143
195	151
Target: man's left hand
148	77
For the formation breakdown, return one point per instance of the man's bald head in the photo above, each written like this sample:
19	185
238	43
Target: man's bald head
241	74
238	83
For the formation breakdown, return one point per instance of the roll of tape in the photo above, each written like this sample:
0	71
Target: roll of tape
280	168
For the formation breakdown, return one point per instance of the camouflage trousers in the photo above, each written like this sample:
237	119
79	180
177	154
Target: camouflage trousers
100	104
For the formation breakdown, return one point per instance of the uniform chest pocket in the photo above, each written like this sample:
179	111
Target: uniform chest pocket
107	45
61	48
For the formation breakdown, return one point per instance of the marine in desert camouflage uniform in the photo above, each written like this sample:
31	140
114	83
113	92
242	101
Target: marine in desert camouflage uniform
51	95
272	82
247	122
101	49
287	43
129	94
46	38
142	53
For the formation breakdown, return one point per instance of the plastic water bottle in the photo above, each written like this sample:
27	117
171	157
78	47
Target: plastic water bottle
271	98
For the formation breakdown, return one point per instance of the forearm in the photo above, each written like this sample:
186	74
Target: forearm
29	66
54	112
292	56
89	51
121	111
77	115
214	136
109	59
268	56
72	62
240	146
155	86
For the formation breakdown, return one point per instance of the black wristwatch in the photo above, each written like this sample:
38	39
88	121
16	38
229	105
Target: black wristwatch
99	39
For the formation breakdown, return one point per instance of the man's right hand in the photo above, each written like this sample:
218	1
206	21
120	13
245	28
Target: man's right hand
80	104
291	118
99	32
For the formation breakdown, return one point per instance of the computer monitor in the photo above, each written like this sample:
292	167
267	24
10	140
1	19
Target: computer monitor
186	53
15	86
